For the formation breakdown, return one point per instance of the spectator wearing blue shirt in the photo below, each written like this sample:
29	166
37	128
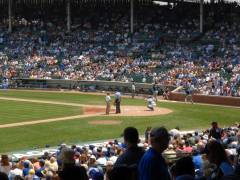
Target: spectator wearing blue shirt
152	165
39	172
198	162
26	168
133	153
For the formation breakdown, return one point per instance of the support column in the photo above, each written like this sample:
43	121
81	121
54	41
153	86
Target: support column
9	16
68	9
201	16
131	12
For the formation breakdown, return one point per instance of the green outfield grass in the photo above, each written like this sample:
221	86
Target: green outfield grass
65	97
186	116
15	111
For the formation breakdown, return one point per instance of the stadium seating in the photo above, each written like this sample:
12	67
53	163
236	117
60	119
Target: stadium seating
164	48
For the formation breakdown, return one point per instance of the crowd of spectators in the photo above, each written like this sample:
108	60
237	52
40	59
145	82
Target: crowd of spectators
210	154
165	48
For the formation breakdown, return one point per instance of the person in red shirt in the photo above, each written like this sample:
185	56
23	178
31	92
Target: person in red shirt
187	148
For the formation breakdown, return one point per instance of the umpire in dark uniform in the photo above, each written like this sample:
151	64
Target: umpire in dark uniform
117	102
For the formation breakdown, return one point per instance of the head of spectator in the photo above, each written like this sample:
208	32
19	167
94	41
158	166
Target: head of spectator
96	174
26	167
39	172
5	165
41	163
73	173
134	152
18	178
159	138
109	166
35	163
15	171
131	137
73	147
214	125
68	158
53	164
120	173
187	148
92	161
4	160
216	154
3	176
83	159
45	156
184	168
215	132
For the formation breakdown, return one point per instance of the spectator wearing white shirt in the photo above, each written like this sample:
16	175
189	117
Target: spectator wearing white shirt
5	165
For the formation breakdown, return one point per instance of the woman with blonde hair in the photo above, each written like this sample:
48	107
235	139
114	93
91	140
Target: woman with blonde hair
53	165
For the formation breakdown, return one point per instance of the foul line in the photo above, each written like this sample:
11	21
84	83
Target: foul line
46	120
50	119
47	102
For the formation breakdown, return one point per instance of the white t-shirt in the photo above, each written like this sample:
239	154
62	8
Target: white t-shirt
5	169
15	172
108	98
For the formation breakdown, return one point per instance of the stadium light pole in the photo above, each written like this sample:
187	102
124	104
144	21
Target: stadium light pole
131	14
68	16
201	16
9	16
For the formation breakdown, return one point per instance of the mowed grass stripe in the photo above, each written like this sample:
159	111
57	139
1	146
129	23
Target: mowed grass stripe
65	97
16	111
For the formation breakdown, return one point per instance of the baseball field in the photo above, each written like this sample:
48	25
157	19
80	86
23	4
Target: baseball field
34	119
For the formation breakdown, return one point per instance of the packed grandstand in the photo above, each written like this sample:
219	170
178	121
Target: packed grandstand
165	48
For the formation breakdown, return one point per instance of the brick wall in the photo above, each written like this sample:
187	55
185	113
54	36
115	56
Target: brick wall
221	100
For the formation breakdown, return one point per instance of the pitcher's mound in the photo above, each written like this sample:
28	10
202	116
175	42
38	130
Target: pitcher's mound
104	122
127	111
142	111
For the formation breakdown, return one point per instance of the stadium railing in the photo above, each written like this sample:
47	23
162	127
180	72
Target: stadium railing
91	86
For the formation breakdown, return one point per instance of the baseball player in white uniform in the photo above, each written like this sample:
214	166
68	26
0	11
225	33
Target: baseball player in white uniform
150	103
